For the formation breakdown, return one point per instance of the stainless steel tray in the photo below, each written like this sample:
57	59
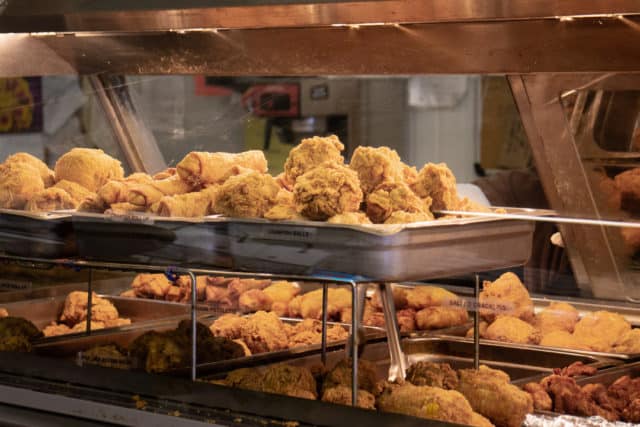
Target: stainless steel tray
41	312
36	234
414	251
148	239
608	376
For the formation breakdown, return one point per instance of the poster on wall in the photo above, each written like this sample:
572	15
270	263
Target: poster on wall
20	105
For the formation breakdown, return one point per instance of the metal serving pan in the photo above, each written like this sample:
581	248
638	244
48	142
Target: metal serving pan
36	234
414	251
41	312
149	239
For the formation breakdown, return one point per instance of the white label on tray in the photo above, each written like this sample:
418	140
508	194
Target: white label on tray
14	285
138	219
294	234
471	304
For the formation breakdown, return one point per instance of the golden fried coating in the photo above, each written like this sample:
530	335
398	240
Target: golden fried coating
341	374
628	184
429	296
431	403
310	153
249	195
491	395
4	312
378	165
482	330
562	339
327	190
512	329
239	286
282	291
151	285
506	296
189	205
19	183
47	175
401	217
91	168
148	193
165	174
558	316
264	332
117	190
228	326
600	330
353	218
77	192
284	209
184	282
309	305
407	320
93	203
400	298
219	296
467	205
55	329
254	300
75	308
629	342
390	197
440	317
309	332
199	168
50	199
409	174
541	399
438	182
433	374
124	209
341	395
279	379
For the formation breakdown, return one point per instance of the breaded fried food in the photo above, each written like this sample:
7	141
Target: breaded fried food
189	205
629	342
284	209
440	317
278	379
506	296
377	165
437	182
402	217
221	297
75	308
541	399
148	193
327	190
628	183
600	330
50	199
558	316
77	192
407	320
490	394
409	174
117	190
264	332
482	330
19	183
250	195
468	205
239	286
184	282
341	395
400	297
310	153
430	296
309	305
151	285
17	333
439	375
254	300
228	326
93	203
341	375
4	312
430	403
511	329
165	174
353	218
390	197
562	339
124	209
200	168
47	175
281	293
89	167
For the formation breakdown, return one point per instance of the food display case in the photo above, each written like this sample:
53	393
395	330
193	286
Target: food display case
269	233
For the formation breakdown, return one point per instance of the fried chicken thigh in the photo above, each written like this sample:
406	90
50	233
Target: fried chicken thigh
600	330
391	197
377	165
19	183
47	175
558	316
75	308
437	182
310	153
249	195
512	329
91	168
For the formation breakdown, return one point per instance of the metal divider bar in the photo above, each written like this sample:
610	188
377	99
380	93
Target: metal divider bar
398	366
476	325
89	301
325	303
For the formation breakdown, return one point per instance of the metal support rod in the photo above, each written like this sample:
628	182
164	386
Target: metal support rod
354	343
325	303
398	365
194	342
476	325
89	301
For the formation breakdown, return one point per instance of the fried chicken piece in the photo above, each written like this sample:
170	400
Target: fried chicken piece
91	168
558	316
400	298
401	217
264	332
569	398
151	285
631	413
108	356
114	323
440	317
148	193
437	182
623	391
254	300
390	197
341	395
628	343
3	312
228	326
220	297
378	165
278	379
50	199
541	399
309	305
184	282
481	332
631	239
490	394
467	205
282	181
17	333
406	320
75	308
409	174
248	195
189	205
284	209
309	332
82	327
600	330
576	369
19	183
506	296
281	293
431	403
341	375
47	175
628	184
310	153
433	374
562	339
430	296
353	218
598	393
54	329
511	329
239	286
200	168
327	190
77	192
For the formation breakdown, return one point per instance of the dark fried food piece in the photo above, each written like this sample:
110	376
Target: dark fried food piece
576	369
406	320
490	393
440	317
390	197
249	195
17	333
437	182
264	332
341	395
228	326
310	153
569	398
598	393
628	184
506	296
541	399
512	329
377	165
279	379
433	374
327	190
109	356
631	413
341	375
